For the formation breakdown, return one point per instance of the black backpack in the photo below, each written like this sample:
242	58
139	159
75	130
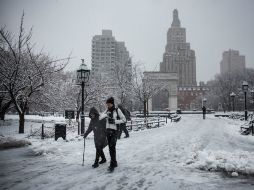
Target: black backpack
127	114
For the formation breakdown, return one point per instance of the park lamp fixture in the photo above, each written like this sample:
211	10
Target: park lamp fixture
245	86
82	77
232	94
252	92
83	73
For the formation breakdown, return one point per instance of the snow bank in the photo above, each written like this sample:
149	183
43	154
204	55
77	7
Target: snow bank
231	162
50	147
10	142
221	147
35	117
43	150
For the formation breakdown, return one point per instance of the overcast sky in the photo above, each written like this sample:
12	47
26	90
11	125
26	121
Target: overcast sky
62	26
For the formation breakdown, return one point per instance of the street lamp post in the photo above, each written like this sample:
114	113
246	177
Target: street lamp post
232	95
245	90
82	77
252	94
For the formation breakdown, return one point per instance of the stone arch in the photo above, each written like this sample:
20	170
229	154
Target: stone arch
160	100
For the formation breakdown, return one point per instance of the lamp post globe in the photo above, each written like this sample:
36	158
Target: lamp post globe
232	95
83	74
245	87
252	95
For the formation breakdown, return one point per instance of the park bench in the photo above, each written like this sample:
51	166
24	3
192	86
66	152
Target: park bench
247	128
174	118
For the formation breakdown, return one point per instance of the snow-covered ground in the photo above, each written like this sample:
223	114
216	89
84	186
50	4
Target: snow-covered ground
191	154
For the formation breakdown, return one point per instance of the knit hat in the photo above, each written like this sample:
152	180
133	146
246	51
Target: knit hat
110	100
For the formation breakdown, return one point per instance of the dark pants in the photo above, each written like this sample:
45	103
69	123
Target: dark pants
203	116
123	128
112	138
99	153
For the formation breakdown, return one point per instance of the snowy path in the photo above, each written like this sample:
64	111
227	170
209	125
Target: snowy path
163	158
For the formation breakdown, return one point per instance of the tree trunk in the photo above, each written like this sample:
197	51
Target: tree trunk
77	116
4	110
144	109
147	108
21	122
2	115
27	111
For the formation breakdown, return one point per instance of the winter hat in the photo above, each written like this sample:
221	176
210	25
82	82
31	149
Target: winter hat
110	100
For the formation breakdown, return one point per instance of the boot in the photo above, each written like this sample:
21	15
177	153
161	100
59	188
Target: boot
113	164
95	165
102	161
111	168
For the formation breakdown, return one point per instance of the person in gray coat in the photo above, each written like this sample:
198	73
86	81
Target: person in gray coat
100	140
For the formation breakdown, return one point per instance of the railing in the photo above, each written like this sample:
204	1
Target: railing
140	125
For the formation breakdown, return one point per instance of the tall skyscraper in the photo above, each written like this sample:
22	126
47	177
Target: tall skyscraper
107	53
232	61
178	57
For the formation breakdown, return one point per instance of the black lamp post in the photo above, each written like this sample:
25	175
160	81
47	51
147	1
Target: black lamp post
252	94
82	77
245	90
232	95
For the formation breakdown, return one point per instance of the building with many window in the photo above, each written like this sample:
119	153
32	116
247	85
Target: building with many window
232	61
179	70
178	57
110	59
107	52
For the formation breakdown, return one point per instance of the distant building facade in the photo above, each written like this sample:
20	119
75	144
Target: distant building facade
178	57
107	52
232	61
179	60
190	98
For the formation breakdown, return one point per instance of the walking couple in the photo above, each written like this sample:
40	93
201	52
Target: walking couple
105	128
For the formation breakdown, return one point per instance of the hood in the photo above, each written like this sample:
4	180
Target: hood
94	111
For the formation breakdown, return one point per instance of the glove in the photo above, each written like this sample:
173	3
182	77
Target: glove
85	135
111	121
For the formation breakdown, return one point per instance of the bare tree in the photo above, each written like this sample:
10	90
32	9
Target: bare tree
145	88
5	103
224	84
122	72
24	73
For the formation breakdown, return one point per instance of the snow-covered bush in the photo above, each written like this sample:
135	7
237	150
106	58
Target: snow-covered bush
10	142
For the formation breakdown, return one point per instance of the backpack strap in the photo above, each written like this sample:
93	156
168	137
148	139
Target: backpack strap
117	117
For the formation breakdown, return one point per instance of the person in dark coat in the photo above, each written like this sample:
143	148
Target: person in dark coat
122	126
204	111
100	140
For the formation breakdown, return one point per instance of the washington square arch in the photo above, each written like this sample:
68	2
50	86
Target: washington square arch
166	97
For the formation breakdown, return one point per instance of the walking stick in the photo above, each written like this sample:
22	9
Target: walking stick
84	152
